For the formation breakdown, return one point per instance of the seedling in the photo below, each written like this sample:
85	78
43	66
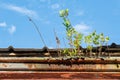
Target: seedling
97	40
89	41
73	36
102	41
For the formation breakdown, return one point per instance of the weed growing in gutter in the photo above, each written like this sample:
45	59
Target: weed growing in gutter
75	38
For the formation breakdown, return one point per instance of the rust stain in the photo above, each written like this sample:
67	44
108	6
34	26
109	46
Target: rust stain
4	65
59	75
30	66
68	75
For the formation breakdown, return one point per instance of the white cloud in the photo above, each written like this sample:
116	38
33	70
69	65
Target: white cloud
3	24
12	29
22	10
83	28
55	6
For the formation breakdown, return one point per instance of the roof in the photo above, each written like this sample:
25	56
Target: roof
40	52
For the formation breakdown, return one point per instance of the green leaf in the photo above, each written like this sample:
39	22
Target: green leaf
101	34
107	39
94	33
66	12
63	13
67	23
89	47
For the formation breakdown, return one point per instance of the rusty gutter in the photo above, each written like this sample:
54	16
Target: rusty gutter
57	61
61	70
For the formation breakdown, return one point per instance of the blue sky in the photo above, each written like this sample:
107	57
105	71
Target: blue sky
86	16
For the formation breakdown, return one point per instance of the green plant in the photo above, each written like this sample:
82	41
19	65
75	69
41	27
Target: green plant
106	42
89	41
65	51
69	29
77	41
102	41
97	40
74	37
